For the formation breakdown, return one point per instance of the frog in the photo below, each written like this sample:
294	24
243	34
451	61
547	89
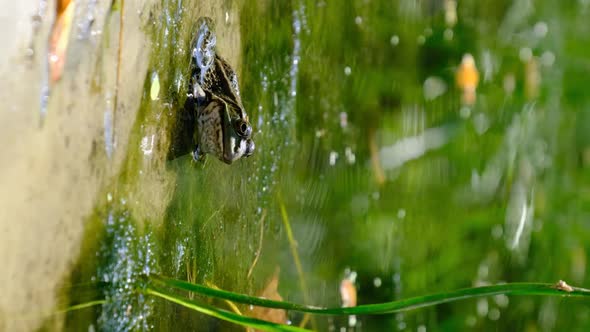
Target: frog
222	127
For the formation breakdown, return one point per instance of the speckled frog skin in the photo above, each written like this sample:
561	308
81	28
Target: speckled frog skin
222	125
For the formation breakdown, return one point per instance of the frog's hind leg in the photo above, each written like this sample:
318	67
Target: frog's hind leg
182	128
203	52
208	21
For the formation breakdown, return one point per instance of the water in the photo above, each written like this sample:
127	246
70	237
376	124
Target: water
125	259
384	167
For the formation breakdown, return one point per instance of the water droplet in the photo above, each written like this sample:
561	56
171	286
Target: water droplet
155	88
108	130
481	123
483	271
509	83
343	119
494	314
401	213
525	54
394	40
465	112
333	158
541	29
482	307
147	144
448	34
497	231
547	58
434	87
377	282
501	300
376	195
350	157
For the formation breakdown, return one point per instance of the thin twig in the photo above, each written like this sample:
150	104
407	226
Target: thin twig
230	304
191	274
81	306
119	57
62	311
259	250
298	266
375	160
210	218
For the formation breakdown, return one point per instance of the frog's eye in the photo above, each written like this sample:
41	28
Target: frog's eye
243	128
250	146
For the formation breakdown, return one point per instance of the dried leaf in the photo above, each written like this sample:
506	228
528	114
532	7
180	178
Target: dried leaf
271	292
467	78
58	40
375	160
348	293
532	78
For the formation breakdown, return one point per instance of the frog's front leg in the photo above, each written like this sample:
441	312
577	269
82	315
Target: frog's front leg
197	154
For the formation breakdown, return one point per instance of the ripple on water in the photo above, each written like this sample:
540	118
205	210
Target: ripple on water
281	112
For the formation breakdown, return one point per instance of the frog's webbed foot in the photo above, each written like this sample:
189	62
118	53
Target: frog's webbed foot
203	52
198	155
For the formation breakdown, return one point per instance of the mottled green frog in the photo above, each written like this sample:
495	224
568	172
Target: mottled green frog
222	125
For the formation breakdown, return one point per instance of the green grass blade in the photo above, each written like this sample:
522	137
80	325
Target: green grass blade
235	297
71	308
81	306
222	314
530	289
537	289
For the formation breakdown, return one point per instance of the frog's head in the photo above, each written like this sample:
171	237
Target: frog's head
223	128
237	140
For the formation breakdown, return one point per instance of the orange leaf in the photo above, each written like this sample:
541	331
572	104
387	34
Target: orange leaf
58	40
271	292
467	78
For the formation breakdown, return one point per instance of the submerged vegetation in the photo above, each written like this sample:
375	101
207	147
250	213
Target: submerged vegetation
153	286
